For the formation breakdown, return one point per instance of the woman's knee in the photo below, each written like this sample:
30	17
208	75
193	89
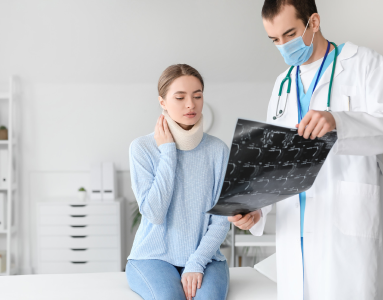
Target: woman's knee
215	283
147	279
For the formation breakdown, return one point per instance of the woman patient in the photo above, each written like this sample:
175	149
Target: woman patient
177	173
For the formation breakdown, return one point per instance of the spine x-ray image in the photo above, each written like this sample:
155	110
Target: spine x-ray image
267	164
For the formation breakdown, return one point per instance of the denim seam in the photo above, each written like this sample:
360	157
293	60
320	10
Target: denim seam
143	277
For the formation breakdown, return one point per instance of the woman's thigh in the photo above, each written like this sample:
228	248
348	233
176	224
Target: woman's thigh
215	282
154	279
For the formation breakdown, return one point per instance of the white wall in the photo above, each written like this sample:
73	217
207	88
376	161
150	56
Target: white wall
90	69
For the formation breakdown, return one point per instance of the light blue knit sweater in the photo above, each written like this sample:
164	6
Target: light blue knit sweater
174	189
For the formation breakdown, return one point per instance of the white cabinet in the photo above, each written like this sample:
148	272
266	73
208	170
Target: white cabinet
79	237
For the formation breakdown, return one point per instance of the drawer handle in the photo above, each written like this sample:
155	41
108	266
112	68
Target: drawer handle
78	249
78	262
78	236
78	226
78	216
78	205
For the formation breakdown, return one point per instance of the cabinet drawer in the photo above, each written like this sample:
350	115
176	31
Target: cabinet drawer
78	209
78	230
78	220
79	254
79	242
79	267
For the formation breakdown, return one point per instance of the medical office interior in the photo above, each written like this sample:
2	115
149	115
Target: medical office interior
79	84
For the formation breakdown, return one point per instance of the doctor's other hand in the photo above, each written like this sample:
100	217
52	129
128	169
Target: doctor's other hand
247	221
317	123
162	133
190	282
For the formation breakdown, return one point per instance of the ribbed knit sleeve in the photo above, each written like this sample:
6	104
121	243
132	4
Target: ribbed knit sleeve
153	185
218	225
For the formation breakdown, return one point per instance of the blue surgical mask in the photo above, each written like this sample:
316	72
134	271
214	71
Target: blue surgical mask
296	52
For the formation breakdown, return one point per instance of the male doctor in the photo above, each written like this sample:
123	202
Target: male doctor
329	239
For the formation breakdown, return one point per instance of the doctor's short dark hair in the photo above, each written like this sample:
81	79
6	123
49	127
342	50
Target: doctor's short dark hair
304	9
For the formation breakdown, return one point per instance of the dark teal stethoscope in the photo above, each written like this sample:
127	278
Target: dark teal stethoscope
280	113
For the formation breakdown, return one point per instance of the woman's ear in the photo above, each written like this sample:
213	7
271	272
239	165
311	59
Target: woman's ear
162	102
315	22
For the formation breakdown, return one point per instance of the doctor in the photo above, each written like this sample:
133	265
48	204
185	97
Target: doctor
329	239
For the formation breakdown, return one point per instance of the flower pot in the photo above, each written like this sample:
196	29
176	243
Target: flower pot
3	134
81	196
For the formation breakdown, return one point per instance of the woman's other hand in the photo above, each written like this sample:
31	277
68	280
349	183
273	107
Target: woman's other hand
190	282
162	134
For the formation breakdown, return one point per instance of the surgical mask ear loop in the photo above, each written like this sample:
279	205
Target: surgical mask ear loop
305	32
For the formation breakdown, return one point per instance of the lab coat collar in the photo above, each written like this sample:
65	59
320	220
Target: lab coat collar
348	51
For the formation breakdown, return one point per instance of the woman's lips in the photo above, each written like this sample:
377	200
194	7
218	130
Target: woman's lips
190	115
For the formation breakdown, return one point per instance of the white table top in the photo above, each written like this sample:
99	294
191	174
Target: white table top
245	284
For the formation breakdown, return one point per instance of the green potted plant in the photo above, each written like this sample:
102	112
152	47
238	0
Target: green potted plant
136	215
3	133
81	194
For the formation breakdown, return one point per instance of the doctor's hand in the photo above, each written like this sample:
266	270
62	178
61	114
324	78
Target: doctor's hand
247	221
317	123
190	282
162	133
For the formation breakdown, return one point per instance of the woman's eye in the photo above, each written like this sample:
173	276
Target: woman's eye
199	97
179	98
291	35
274	41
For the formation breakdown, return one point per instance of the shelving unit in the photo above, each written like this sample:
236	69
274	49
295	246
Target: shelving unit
9	103
247	240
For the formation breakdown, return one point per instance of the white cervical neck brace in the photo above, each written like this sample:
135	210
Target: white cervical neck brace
185	139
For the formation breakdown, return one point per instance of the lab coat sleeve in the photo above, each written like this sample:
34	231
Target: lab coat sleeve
361	133
153	191
258	228
217	229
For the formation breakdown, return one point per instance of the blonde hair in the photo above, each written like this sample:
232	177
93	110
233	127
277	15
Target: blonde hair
172	73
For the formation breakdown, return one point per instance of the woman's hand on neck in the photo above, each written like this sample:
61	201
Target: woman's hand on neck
320	47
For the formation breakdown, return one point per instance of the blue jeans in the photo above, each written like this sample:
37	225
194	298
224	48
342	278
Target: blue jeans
154	279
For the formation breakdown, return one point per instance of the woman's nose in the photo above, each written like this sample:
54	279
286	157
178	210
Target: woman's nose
190	103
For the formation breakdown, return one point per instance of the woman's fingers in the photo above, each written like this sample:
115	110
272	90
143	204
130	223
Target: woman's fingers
190	283
161	126
194	286
185	287
199	281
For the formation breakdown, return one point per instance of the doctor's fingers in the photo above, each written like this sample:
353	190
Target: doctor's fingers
243	220
311	125
235	218
318	128
326	128
246	222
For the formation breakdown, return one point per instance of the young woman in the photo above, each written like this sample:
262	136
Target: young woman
177	173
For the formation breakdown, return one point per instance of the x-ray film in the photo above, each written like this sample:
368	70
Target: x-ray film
267	164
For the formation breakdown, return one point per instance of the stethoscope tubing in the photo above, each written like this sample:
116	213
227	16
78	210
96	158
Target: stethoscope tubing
280	113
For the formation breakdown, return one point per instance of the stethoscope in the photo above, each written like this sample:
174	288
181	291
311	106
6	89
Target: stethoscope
281	112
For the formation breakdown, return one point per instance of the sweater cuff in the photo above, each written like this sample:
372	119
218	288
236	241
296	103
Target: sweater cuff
193	267
167	148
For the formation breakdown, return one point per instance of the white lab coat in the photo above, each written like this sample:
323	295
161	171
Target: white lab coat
344	210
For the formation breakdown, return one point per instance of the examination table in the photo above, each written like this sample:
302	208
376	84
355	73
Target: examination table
245	284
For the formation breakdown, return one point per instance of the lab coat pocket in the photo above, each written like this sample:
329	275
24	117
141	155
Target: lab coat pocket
358	209
348	93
